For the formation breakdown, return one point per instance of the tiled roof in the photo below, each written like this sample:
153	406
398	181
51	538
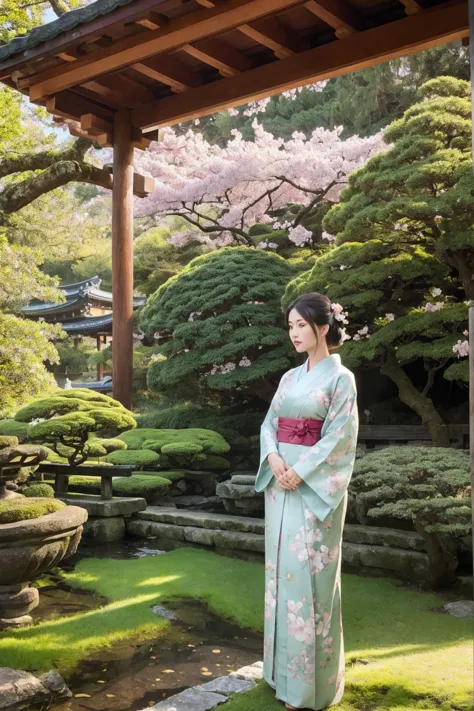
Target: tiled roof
68	21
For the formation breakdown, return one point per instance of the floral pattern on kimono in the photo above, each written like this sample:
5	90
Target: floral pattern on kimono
304	646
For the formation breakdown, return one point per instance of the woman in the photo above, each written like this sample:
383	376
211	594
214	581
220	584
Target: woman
308	443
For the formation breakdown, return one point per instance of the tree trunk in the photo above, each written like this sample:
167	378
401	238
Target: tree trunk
418	402
59	7
461	260
443	561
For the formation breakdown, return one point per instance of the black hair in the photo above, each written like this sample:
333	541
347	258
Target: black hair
316	310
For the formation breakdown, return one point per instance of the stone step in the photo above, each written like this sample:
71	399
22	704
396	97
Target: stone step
244	479
405	564
353	533
202	519
380	536
218	538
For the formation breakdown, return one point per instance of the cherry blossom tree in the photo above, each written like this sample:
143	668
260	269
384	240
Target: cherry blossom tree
223	193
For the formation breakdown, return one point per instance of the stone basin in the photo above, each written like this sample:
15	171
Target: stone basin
27	550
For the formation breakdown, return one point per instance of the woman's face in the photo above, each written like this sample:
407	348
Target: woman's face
301	333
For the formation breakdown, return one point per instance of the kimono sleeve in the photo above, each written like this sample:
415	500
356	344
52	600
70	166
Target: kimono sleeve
326	468
268	439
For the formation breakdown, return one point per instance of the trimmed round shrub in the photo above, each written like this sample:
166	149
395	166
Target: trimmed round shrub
182	448
67	421
429	486
12	428
97	447
39	490
137	458
23	509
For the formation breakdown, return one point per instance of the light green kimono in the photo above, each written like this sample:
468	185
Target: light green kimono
304	648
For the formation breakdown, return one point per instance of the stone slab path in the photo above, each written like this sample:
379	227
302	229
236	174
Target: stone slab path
214	693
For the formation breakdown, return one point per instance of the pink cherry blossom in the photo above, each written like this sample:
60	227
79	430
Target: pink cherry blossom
222	191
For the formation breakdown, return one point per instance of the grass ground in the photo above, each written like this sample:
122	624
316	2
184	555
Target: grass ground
417	657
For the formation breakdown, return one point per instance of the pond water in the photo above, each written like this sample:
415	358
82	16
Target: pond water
130	676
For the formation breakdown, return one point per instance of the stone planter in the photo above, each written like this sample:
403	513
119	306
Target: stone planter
27	550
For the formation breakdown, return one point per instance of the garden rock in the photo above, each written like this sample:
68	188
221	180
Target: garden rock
19	689
105	530
460	608
254	672
244	479
22	690
193	699
196	502
163	612
229	685
240	498
56	684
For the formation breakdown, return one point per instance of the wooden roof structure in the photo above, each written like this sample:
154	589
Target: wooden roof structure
118	70
175	60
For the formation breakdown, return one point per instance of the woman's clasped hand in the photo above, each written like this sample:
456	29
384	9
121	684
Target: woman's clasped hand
286	476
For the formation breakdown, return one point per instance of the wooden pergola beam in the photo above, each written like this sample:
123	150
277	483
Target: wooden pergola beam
227	60
169	70
71	105
411	34
272	33
190	28
152	20
411	6
337	14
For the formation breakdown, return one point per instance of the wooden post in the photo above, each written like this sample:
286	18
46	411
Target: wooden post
122	259
100	366
471	404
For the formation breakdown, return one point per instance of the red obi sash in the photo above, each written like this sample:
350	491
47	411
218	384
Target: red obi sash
298	430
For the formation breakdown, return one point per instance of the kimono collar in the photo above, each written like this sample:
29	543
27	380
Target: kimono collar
328	363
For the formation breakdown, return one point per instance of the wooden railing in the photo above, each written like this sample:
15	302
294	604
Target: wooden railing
374	435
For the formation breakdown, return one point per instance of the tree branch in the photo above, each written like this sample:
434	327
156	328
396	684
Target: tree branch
59	7
18	195
44	159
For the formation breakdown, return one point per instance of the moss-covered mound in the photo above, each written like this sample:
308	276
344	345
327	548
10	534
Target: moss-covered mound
141	458
11	428
22	509
210	441
8	441
144	485
42	490
195	448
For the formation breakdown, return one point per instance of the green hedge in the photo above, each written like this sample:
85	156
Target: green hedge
39	490
12	428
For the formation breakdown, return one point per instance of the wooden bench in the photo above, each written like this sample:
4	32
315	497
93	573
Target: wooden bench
372	435
62	472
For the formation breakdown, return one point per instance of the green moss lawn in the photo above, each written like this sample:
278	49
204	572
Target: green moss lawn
417	657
